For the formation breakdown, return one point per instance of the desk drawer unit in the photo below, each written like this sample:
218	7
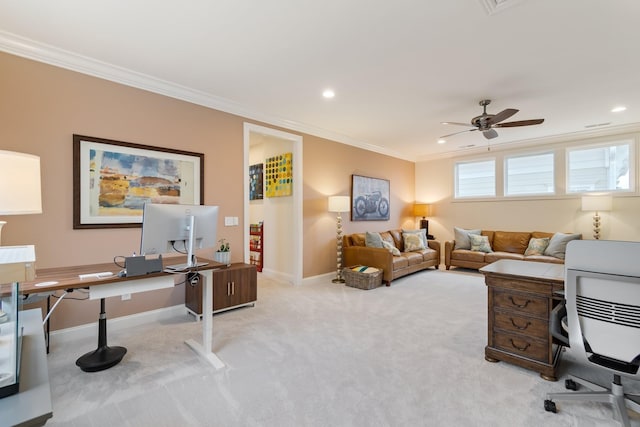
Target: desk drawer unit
518	324
234	286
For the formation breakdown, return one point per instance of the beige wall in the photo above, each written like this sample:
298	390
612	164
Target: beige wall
43	106
435	184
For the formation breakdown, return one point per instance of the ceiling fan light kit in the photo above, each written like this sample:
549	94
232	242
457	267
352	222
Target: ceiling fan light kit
487	122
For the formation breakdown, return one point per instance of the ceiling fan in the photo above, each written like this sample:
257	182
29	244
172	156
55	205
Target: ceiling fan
487	122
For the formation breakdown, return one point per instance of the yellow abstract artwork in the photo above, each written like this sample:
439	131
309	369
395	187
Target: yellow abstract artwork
278	175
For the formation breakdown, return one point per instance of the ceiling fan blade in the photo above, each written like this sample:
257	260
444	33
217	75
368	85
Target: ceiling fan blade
519	123
489	133
455	133
502	115
457	124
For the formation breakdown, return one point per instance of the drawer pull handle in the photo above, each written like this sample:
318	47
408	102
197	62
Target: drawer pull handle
520	305
522	328
519	348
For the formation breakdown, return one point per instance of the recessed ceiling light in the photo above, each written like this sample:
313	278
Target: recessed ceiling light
618	109
328	93
442	141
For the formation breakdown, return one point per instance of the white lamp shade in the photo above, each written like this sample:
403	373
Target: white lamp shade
19	184
339	204
598	203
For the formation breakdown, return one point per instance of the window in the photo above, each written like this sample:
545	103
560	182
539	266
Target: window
529	174
475	179
603	168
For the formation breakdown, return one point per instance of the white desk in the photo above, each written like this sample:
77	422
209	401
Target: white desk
68	278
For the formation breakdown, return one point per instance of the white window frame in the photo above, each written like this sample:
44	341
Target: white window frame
524	155
632	165
456	184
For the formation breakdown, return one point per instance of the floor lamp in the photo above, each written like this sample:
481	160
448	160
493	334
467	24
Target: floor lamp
597	203
339	204
19	188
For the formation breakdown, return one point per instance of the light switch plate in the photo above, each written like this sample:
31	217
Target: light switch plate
228	221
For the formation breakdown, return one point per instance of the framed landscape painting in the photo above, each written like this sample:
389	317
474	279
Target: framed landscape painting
369	199
113	179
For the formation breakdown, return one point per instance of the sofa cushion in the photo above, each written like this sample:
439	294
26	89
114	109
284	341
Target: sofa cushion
400	262
511	241
467	255
479	243
358	239
413	258
391	248
544	258
558	244
373	240
396	237
461	236
537	246
495	256
541	234
429	254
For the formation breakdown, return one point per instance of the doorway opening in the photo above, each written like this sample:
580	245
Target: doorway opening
281	216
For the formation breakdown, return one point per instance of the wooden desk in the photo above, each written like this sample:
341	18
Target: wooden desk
66	278
521	295
32	405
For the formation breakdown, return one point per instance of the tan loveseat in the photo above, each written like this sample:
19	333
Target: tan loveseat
504	245
355	252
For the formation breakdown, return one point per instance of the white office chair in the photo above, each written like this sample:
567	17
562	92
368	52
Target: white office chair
602	294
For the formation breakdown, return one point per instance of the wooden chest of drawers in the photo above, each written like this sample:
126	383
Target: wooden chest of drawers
521	295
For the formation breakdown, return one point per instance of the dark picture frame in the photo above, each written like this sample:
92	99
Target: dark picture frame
369	198
112	180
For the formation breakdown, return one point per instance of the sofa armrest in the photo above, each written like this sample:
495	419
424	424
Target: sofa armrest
371	257
449	246
435	245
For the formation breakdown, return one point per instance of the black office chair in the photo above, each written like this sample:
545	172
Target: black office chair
602	316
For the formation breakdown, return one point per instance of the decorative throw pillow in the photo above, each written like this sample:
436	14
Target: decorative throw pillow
461	236
421	232
537	246
480	243
373	240
388	246
558	244
412	242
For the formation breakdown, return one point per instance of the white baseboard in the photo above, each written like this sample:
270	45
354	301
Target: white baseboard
62	336
321	278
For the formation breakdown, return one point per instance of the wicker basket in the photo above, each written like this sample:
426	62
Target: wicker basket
366	281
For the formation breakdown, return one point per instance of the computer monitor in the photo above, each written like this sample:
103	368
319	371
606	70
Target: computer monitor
170	228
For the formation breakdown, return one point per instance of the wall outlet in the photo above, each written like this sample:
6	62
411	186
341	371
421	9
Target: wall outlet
126	297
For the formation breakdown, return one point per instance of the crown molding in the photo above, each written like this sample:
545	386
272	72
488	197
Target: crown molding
30	49
610	131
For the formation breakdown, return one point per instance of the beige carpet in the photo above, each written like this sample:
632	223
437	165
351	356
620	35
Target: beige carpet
320	355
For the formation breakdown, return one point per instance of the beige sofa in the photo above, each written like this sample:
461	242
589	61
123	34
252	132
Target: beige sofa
355	252
505	245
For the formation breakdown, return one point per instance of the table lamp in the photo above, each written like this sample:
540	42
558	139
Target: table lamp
597	203
339	204
422	209
19	185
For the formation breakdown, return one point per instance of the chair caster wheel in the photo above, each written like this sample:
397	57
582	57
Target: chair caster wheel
570	385
550	406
